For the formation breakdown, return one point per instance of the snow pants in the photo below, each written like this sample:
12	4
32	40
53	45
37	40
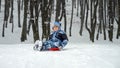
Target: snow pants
50	44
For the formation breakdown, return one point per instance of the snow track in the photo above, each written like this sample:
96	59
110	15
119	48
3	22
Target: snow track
74	56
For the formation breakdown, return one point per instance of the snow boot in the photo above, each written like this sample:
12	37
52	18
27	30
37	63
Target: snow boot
38	45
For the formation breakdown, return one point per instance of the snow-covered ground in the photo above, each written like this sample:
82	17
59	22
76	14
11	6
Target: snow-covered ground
73	56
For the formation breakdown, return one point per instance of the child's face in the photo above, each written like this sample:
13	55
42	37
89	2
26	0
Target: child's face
55	28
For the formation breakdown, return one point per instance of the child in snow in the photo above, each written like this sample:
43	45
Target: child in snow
57	40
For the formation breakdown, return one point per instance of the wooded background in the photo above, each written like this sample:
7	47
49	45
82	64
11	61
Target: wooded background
97	15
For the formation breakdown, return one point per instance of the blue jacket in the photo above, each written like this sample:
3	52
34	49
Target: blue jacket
59	37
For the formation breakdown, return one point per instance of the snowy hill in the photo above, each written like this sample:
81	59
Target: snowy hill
73	56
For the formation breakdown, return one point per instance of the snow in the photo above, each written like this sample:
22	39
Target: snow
73	56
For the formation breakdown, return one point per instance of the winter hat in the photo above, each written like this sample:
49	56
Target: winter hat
57	24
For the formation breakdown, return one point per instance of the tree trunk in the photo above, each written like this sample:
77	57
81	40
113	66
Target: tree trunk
64	14
3	30
86	21
101	19
78	3
6	12
118	30
104	17
22	4
58	9
111	19
82	13
70	29
11	17
36	20
45	19
24	28
6	15
93	12
19	2
0	5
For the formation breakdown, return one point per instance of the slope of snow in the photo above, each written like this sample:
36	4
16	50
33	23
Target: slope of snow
73	56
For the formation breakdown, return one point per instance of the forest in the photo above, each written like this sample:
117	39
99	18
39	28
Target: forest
98	17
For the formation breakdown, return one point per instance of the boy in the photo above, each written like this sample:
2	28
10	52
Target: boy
57	40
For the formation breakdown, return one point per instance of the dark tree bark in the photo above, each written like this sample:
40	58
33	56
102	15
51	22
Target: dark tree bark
118	30
52	7
11	17
82	15
6	12
58	10
36	35
111	15
74	3
78	3
3	30
93	13
6	16
70	29
0	5
46	16
32	19
101	24
104	21
19	2
24	28
50	11
65	21
63	14
86	19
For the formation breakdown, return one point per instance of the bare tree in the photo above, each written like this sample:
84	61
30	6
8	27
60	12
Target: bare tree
70	29
19	2
93	12
64	14
101	24
58	10
46	17
24	28
0	5
78	3
11	16
34	18
118	30
82	14
111	16
104	19
6	16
